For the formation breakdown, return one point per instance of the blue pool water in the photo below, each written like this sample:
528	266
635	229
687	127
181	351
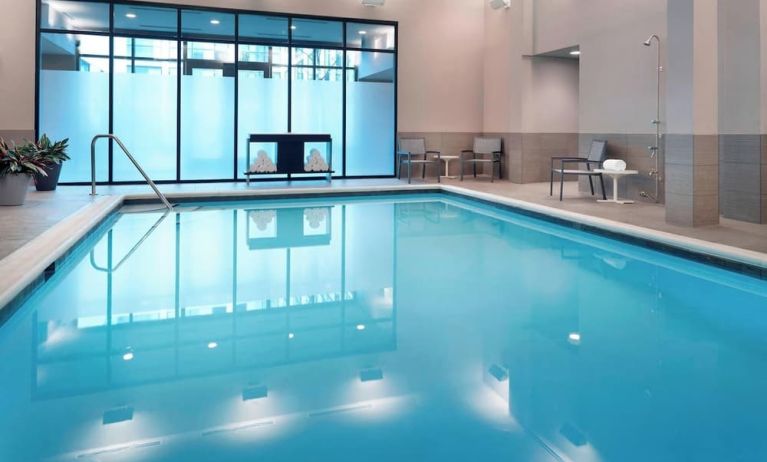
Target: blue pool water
388	328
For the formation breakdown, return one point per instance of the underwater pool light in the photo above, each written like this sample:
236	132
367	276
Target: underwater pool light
212	345
498	372
255	392
360	327
128	355
574	338
371	375
120	414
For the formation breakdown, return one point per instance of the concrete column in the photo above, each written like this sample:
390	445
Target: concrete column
741	160
691	142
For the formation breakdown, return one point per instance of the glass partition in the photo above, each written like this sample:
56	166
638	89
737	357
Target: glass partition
185	86
317	105
74	99
207	110
74	15
144	105
262	95
370	113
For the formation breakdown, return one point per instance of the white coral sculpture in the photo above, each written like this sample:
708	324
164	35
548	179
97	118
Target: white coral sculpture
315	162
263	164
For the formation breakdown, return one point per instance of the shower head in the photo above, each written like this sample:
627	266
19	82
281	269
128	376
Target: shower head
648	42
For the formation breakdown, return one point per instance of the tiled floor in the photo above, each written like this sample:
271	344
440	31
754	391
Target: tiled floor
19	225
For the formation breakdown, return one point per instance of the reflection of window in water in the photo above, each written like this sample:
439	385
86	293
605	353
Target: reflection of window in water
315	221
265	223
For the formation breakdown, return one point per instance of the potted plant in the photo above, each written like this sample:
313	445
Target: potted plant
17	166
53	156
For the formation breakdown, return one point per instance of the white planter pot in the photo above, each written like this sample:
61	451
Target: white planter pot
13	188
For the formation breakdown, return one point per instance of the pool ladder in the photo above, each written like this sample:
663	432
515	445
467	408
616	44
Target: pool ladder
132	159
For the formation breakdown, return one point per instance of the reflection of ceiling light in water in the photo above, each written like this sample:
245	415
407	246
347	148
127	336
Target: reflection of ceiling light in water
128	356
255	392
120	414
574	338
370	375
215	22
291	335
212	345
498	372
130	15
360	327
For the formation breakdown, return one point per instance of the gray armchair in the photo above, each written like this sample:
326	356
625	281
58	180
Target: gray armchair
593	161
485	151
412	151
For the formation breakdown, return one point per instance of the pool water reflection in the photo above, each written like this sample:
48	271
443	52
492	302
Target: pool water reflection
384	328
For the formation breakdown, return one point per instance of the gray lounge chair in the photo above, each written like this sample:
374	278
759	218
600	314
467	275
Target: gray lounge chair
412	151
485	151
593	161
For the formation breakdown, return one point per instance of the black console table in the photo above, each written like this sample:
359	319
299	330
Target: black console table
291	153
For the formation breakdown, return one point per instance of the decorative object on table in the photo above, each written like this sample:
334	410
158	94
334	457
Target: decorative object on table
315	162
262	218
291	151
263	164
315	216
614	165
53	155
17	166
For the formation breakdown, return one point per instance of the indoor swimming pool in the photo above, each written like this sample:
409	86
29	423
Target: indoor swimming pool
380	328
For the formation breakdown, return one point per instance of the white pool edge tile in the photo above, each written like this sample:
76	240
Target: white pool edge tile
24	265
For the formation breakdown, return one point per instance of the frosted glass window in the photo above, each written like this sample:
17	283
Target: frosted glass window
147	20
317	105
203	24
370	36
74	15
263	29
207	111
74	99
144	102
317	32
370	114
263	94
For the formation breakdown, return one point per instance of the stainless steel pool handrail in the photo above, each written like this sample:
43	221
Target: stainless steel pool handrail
131	158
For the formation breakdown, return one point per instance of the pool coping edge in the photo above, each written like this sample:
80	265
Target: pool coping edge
26	267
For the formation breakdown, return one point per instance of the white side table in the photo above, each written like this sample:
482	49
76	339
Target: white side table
615	175
447	160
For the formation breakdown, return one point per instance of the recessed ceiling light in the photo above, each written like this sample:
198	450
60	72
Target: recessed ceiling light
575	52
212	345
215	22
130	15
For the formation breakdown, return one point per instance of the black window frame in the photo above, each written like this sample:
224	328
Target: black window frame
290	44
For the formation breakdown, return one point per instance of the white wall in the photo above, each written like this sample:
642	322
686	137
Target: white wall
440	59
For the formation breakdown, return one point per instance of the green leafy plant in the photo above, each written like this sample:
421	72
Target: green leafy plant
51	152
22	160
